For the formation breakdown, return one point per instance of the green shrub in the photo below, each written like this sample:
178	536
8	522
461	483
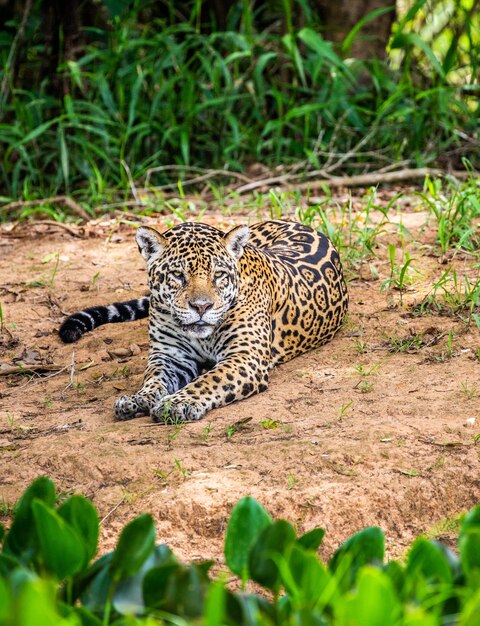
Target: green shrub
161	93
48	577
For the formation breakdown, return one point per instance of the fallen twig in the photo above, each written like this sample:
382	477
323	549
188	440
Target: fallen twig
191	168
359	180
7	370
66	200
60	225
102	521
374	178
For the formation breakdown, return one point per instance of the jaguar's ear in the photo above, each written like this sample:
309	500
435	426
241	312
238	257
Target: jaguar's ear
236	239
150	242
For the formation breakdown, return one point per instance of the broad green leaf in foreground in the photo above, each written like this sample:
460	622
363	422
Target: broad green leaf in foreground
247	521
62	551
136	543
270	545
82	516
21	540
363	548
374	602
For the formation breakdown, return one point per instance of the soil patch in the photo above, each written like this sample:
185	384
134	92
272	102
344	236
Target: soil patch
378	427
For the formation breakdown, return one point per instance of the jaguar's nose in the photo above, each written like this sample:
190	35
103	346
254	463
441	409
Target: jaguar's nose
200	305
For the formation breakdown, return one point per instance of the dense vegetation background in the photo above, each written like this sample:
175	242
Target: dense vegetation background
95	92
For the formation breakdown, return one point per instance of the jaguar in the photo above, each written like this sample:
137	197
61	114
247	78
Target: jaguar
223	308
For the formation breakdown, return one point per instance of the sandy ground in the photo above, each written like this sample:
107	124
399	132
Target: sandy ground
346	436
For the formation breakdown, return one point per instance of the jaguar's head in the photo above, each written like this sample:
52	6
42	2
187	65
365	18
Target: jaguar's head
193	273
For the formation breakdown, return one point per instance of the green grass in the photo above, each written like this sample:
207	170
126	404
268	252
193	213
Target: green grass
168	94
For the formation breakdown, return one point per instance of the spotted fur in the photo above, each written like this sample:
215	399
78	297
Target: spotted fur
223	312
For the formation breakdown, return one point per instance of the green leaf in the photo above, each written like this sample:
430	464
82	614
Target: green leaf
22	539
36	605
155	584
363	548
374	602
165	588
128	597
470	615
95	588
37	131
5	603
8	564
62	551
272	542
246	522
427	560
85	617
372	15
215	605
305	578
136	543
82	516
404	40
471	520
469	546
64	161
312	540
417	616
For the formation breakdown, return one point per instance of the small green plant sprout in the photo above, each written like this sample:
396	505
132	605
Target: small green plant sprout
469	391
48	402
10	420
456	295
454	212
174	434
364	371
413	342
95	278
360	345
237	426
55	257
345	410
207	431
364	386
400	275
7	509
182	470
269	424
291	481
163	476
448	352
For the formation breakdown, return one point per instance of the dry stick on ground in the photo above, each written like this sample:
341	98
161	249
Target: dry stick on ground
197	170
7	370
65	200
60	225
374	178
371	178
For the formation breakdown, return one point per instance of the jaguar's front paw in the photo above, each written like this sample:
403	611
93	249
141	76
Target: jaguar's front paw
171	411
128	407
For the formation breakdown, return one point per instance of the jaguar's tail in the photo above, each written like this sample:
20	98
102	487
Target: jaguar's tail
82	322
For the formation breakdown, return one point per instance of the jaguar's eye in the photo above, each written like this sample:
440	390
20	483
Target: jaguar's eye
220	275
178	276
